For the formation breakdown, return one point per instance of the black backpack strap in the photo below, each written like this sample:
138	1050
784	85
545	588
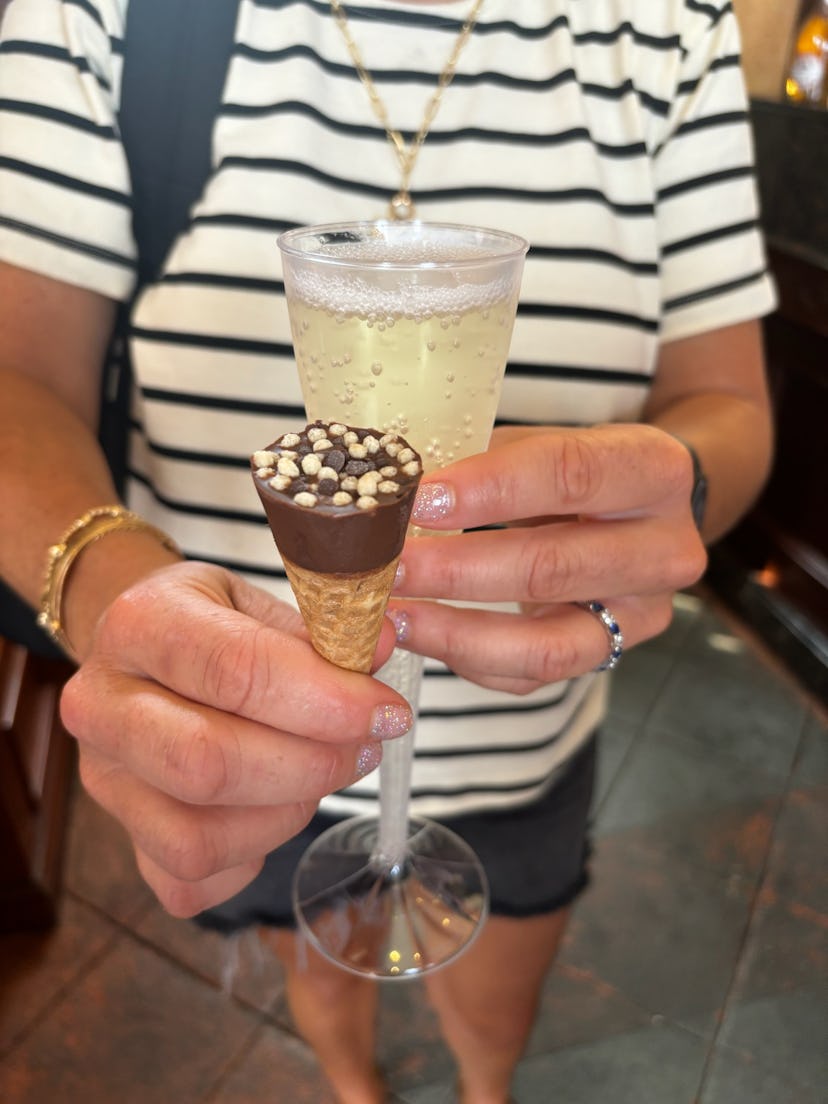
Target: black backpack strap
176	54
175	61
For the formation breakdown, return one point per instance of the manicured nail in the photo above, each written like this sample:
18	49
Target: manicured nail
434	501
368	759
402	624
399	575
391	721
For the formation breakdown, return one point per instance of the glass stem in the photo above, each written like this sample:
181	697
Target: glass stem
403	672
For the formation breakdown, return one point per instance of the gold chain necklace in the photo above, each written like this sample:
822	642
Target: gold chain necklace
401	206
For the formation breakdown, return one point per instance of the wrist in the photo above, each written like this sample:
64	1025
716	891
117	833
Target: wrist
698	492
103	553
103	572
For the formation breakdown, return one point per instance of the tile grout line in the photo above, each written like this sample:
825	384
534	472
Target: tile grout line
120	929
235	1062
640	726
63	991
265	1016
739	958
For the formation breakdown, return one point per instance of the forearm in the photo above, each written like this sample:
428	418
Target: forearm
53	471
711	391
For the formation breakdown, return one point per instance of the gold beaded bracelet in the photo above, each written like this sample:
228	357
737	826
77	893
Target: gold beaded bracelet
89	528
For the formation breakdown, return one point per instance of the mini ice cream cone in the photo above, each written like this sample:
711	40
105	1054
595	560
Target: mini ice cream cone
343	613
338	500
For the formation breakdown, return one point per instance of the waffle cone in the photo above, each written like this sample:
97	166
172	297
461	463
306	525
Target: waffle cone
343	612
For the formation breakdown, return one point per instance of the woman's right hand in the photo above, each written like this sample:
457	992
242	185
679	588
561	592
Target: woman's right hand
210	728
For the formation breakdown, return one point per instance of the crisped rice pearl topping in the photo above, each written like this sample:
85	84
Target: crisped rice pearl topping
337	465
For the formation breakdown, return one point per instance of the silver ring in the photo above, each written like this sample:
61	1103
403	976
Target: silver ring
616	637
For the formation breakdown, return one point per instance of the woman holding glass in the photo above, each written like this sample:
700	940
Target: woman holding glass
613	138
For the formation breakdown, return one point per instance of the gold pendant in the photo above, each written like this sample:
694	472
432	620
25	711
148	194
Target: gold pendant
401	207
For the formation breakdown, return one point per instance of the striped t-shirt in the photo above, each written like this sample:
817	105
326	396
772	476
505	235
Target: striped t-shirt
612	134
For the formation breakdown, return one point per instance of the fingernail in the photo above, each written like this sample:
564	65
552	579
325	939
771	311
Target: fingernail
434	501
368	759
402	624
391	721
399	575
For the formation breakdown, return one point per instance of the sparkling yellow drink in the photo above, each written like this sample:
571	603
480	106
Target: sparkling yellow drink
422	361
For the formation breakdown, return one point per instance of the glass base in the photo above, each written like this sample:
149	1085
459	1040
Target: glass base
386	921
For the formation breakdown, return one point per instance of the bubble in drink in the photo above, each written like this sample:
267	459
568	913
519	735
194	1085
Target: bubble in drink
409	311
410	359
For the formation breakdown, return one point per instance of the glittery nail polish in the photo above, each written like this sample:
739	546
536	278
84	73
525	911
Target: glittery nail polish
390	721
434	501
402	623
368	759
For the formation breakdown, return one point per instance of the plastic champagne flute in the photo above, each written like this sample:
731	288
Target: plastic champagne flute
404	327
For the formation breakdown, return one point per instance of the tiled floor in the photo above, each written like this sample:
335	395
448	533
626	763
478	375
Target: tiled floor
694	972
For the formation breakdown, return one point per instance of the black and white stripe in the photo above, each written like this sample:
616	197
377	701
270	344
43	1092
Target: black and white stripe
610	133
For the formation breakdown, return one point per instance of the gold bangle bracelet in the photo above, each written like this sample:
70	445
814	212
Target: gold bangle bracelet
87	529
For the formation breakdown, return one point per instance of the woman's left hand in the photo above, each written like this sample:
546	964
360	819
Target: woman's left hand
596	513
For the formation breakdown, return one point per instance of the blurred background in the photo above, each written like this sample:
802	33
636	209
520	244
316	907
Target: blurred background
774	568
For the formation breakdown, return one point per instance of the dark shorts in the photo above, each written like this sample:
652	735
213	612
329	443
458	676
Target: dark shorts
535	856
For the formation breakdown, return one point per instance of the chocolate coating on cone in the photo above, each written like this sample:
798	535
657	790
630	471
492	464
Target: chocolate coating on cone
346	514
